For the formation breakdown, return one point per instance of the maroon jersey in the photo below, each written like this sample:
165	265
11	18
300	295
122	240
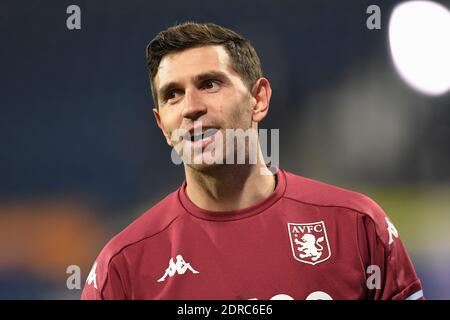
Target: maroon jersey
307	240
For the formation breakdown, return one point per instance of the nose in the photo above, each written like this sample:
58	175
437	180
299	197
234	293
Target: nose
194	107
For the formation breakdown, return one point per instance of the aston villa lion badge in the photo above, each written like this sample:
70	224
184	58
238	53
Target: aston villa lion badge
309	242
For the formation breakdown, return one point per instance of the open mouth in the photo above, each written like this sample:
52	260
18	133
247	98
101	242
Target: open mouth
194	137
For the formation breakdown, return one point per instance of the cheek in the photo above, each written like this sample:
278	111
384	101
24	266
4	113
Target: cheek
242	111
172	119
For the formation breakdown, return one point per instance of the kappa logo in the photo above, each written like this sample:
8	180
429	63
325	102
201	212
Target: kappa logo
391	230
309	242
180	267
92	277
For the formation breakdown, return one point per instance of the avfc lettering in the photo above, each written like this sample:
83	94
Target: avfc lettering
307	228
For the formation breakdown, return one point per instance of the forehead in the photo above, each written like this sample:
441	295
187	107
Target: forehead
177	66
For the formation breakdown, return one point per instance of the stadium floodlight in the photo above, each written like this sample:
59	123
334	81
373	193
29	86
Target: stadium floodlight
419	37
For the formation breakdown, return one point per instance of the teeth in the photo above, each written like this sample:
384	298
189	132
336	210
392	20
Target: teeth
206	134
210	132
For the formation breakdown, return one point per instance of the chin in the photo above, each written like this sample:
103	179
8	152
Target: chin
204	167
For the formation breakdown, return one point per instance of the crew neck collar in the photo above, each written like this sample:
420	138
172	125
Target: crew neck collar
257	208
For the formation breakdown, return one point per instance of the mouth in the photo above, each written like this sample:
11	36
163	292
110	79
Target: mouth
205	134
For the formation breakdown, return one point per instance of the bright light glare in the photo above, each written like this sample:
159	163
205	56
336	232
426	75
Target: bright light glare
419	36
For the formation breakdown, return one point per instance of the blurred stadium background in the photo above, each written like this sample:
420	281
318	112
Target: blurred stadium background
81	156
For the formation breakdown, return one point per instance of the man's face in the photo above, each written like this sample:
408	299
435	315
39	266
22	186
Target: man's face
197	87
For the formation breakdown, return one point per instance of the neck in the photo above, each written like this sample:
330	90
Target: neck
229	187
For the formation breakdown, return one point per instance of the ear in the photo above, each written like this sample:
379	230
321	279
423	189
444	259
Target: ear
261	92
160	125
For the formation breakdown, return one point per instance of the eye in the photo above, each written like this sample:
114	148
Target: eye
211	85
172	96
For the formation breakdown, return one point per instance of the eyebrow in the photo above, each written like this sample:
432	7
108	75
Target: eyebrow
198	78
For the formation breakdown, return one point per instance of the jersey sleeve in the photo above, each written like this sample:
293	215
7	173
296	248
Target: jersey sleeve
389	270
104	281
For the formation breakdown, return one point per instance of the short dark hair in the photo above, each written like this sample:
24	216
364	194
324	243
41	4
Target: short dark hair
245	60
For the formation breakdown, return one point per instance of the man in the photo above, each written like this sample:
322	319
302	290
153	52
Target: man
236	230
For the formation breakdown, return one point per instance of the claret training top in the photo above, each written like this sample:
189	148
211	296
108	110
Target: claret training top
307	240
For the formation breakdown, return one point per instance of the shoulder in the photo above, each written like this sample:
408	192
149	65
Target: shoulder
150	223
324	195
153	221
104	280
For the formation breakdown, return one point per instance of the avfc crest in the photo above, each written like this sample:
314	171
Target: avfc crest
309	242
